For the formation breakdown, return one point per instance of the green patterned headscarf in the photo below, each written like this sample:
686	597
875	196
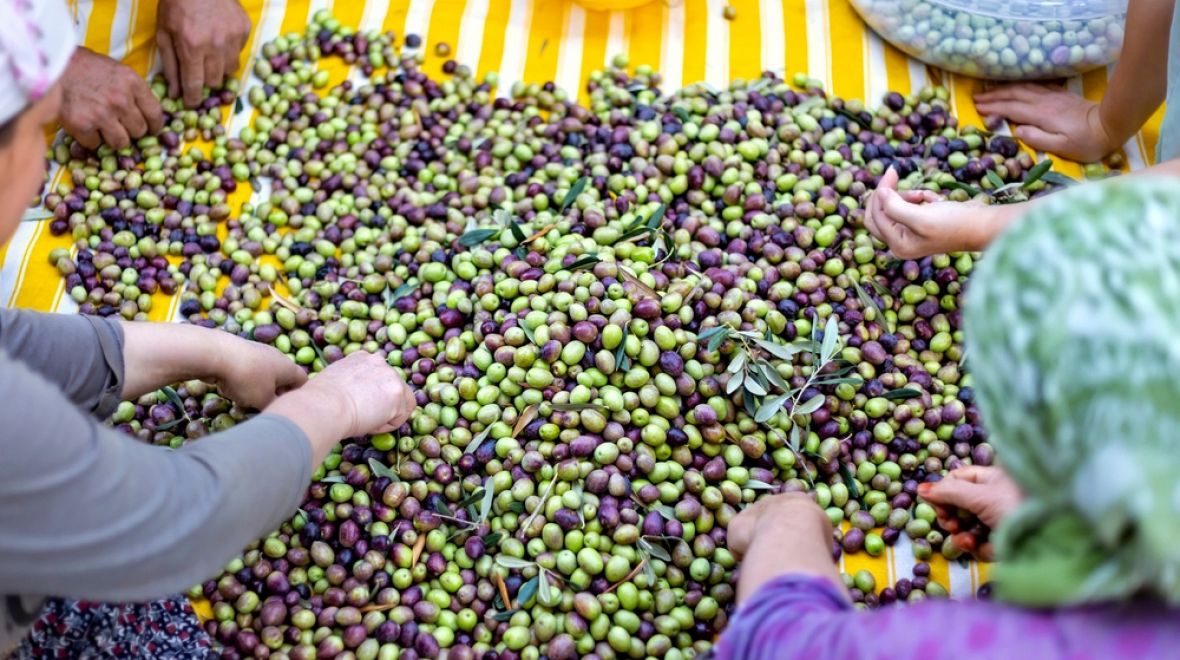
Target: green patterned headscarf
1073	321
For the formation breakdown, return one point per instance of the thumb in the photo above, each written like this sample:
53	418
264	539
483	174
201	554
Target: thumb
888	180
1040	139
954	492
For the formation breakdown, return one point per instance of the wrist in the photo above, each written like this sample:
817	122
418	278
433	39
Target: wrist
1107	122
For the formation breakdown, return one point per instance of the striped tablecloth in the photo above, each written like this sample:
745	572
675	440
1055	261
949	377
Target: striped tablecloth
539	40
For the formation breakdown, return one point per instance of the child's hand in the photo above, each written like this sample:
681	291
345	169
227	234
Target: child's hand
916	224
1052	119
986	492
253	374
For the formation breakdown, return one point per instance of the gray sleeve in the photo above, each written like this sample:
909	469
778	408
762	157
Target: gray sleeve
82	355
89	514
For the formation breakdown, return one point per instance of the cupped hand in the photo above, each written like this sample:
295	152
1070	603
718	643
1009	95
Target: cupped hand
200	42
916	223
254	374
988	493
798	509
369	394
106	102
1051	119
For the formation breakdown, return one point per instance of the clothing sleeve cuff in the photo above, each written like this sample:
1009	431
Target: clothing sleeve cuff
110	340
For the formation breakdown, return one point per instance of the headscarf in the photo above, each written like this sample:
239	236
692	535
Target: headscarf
36	42
1073	320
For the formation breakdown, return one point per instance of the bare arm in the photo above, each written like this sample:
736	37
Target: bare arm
1140	79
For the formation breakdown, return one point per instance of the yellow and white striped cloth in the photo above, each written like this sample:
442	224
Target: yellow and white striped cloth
539	40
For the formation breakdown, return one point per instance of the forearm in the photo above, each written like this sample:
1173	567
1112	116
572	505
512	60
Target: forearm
316	414
1140	79
156	354
788	545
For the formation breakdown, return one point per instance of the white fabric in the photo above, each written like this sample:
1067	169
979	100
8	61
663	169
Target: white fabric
36	42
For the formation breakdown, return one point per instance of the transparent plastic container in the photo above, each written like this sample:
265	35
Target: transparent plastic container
1002	39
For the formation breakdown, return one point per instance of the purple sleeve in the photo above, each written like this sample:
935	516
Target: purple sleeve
792	616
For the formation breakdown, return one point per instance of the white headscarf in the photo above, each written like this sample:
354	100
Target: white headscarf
36	42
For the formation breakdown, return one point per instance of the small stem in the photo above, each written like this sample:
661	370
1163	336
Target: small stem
419	545
503	591
633	573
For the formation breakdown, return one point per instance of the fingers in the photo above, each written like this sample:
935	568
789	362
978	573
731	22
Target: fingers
192	78
978	474
113	133
901	212
1021	112
959	493
1024	92
214	69
170	63
149	108
86	135
1042	140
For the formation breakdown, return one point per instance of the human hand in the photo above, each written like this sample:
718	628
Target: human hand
369	395
796	509
988	493
252	374
200	41
104	101
1052	119
915	223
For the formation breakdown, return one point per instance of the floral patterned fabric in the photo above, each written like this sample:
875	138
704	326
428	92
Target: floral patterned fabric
161	630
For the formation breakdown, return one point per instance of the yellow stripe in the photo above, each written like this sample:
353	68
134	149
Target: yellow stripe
39	284
349	14
745	41
940	570
846	50
98	28
645	41
544	41
984	570
395	18
897	69
859	561
493	36
1149	135
963	90
594	36
795	29
141	40
696	30
296	17
445	21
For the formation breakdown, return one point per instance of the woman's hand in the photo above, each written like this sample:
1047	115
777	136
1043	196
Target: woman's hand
916	223
358	395
988	493
106	102
781	535
1052	119
200	42
252	375
763	515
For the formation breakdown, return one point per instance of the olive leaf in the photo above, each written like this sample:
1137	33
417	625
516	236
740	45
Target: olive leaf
528	332
970	190
759	485
587	260
681	114
850	482
578	407
476	236
839	381
754	387
173	424
516	507
541	504
474	497
380	470
631	277
173	398
867	302
654	550
402	291
238	105
831	338
517	232
994	179
780	351
664	510
657	216
809	406
1039	170
715	342
736	364
575	190
772	374
577	489
622	363
477	441
302	513
504	616
769	407
544	592
527	590
334	479
796	439
903	393
734	383
512	563
1059	179
485	506
491	540
527	416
